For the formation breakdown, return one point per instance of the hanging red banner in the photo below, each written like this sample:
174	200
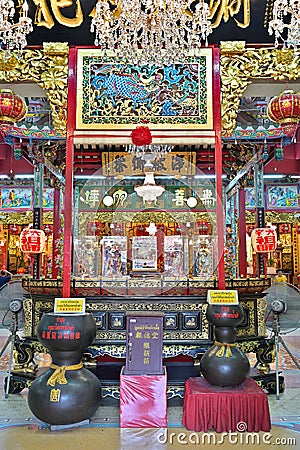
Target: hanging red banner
264	240
32	240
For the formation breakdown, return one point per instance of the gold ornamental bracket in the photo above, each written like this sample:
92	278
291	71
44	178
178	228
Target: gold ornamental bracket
240	66
48	68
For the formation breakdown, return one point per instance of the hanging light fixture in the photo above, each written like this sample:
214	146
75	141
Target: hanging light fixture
149	191
13	34
286	23
151	31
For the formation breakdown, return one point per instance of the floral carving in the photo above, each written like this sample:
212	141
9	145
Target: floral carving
47	67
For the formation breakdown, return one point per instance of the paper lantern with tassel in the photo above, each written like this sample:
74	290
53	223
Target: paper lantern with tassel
285	110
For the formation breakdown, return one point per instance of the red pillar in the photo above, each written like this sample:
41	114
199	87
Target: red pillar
68	198
218	167
56	230
242	234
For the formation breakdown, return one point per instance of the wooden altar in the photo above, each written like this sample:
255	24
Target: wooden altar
186	331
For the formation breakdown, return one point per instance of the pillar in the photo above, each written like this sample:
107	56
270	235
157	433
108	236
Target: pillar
242	233
259	212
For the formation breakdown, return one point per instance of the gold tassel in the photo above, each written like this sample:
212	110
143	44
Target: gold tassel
224	349
59	374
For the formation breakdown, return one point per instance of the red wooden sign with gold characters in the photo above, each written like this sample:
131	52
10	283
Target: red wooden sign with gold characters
264	240
32	240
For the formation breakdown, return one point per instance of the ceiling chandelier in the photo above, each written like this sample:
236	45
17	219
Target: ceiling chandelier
151	31
149	191
286	23
13	34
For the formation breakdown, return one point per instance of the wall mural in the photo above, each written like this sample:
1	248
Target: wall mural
15	198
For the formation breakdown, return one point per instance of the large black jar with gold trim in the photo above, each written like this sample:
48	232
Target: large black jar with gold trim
66	393
224	364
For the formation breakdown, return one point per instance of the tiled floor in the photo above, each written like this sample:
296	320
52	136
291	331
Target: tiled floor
19	429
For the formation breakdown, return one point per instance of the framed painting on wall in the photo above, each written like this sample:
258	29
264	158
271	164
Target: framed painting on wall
282	196
203	266
114	256
176	256
144	253
249	197
16	198
86	257
175	100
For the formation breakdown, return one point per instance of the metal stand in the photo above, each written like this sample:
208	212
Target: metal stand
278	340
10	340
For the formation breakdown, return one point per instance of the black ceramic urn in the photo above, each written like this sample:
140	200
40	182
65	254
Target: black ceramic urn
224	364
66	393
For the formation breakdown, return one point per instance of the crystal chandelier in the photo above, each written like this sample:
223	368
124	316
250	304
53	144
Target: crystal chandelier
149	191
151	31
13	35
286	23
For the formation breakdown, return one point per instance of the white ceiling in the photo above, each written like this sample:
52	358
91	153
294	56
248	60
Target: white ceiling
24	89
270	89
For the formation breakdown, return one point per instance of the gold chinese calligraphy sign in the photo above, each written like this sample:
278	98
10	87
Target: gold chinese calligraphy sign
124	164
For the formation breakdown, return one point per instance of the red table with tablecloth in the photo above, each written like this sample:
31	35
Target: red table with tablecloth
143	400
241	408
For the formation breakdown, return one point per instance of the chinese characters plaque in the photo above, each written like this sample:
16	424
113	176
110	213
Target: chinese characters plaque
144	344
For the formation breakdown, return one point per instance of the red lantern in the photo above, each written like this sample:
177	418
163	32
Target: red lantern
12	107
14	229
141	136
285	110
285	228
298	229
32	240
264	240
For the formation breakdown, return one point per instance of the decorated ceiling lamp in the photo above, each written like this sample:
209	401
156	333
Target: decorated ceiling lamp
284	109
149	191
12	108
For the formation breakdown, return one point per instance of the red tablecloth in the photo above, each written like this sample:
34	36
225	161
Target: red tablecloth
143	400
242	408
